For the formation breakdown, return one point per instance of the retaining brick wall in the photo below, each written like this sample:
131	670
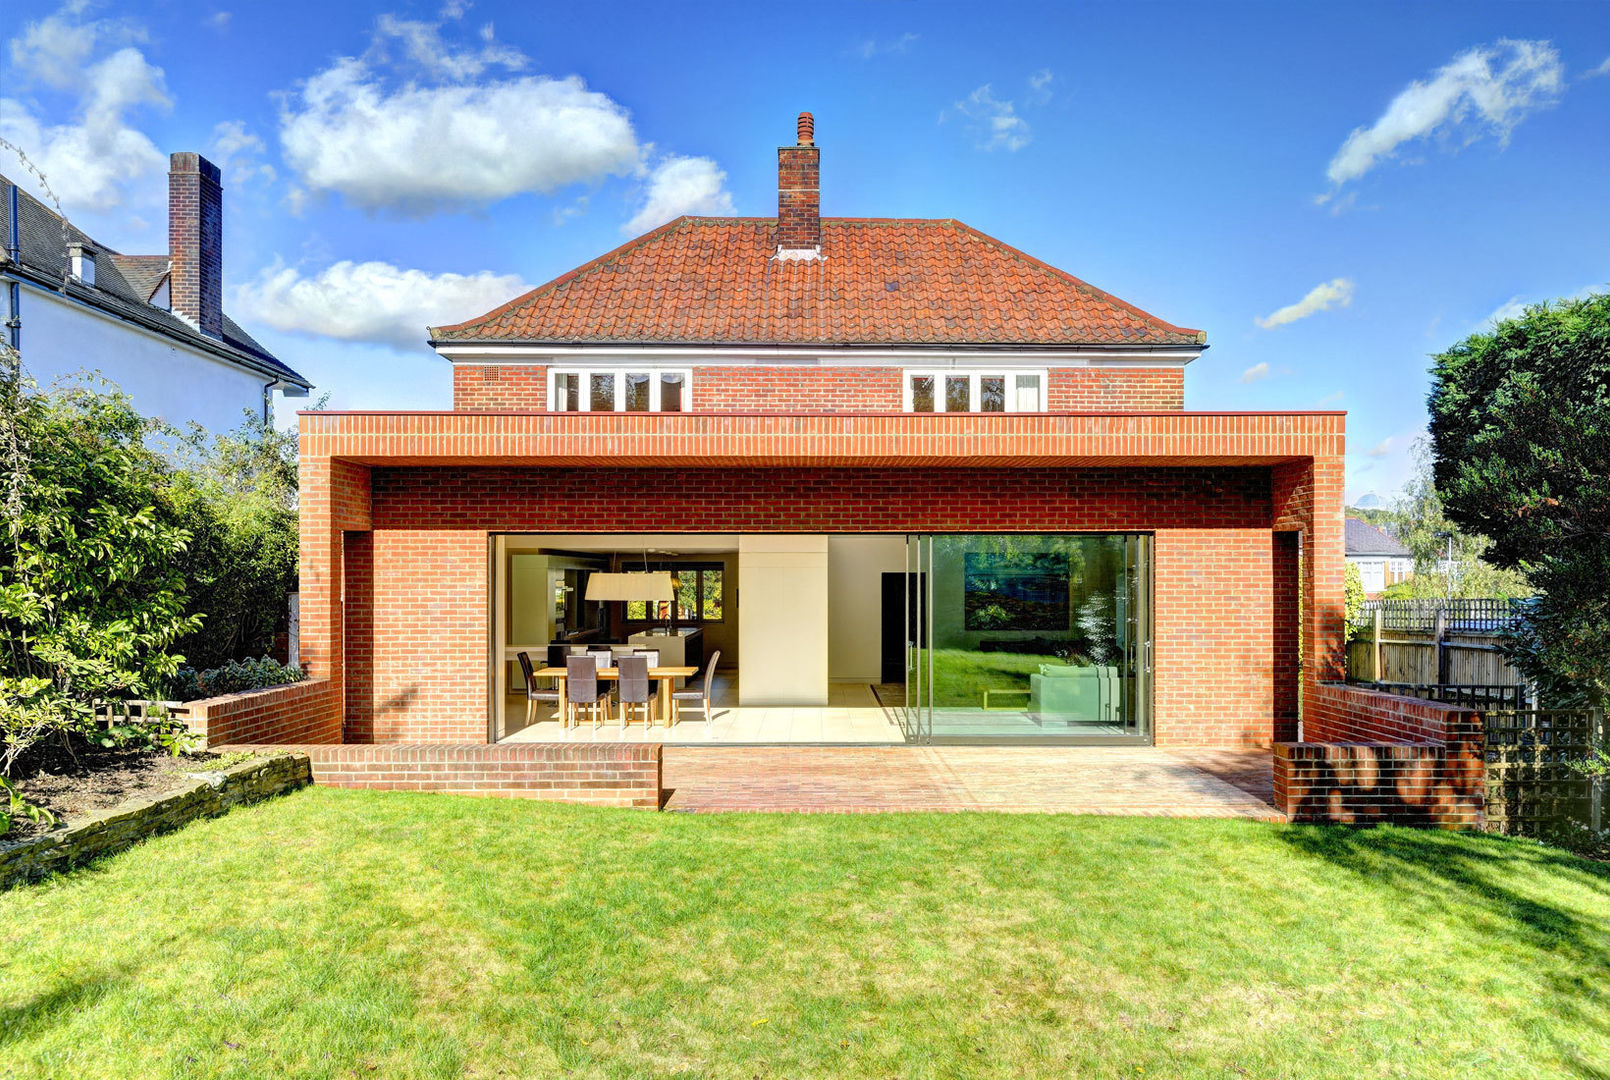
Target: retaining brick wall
1375	758
304	712
602	774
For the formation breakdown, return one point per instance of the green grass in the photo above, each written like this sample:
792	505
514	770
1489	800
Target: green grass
961	675
340	934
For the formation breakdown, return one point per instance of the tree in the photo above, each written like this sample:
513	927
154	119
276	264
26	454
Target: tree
1520	425
236	493
91	594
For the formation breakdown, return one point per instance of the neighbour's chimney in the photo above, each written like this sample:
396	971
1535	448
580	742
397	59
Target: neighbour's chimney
196	242
799	191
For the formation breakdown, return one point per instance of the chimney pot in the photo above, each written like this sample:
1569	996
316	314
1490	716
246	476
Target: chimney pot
799	194
196	242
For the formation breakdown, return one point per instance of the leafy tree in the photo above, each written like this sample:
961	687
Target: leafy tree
1352	594
1520	424
91	594
237	493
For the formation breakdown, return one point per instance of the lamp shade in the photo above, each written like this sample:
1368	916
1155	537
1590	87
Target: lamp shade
642	586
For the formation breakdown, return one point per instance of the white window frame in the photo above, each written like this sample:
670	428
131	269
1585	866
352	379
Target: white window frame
974	399
585	398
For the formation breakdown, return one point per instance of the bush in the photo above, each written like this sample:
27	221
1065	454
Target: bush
232	678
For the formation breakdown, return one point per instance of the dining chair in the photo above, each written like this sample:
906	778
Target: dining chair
700	693
534	693
634	687
583	686
651	655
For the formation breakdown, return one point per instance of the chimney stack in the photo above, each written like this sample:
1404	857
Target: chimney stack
196	242
799	194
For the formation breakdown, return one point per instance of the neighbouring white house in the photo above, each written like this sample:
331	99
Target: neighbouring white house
1381	558
152	324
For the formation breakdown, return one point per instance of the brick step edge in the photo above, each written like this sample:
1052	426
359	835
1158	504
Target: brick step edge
206	794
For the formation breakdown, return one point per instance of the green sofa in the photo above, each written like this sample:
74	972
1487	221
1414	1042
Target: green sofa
1064	693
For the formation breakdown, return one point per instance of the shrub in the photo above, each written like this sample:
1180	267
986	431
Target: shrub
232	678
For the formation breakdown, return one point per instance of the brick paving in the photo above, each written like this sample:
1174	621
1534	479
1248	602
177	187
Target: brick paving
1054	779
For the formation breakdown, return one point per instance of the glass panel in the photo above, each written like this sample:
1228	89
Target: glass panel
922	393
671	385
711	600
1028	393
566	392
958	393
992	393
687	595
637	391
1031	637
603	392
637	609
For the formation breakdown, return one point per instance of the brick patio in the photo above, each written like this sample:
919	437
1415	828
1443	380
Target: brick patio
1051	779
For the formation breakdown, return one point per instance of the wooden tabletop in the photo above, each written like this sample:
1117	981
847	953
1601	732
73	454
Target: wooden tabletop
614	673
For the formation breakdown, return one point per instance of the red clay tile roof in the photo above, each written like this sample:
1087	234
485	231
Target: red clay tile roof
881	281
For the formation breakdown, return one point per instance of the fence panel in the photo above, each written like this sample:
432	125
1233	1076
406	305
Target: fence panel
1531	788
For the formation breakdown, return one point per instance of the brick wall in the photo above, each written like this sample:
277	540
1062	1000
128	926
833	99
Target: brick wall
480	387
304	712
602	774
792	388
1373	758
1098	389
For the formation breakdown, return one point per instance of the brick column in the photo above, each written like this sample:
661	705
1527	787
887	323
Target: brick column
334	500
1307	498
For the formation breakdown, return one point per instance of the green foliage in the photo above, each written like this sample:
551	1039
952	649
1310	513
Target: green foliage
232	678
1520	423
236	493
91	594
1352	593
15	806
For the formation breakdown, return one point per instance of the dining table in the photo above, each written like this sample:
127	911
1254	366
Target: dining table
664	677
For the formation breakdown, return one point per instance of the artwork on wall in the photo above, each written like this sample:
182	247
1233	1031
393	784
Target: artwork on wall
1015	591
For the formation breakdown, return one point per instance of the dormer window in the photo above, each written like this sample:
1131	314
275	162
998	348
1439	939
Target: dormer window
619	390
974	391
81	258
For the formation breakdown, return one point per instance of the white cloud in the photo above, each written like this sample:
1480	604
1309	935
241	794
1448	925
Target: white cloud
1331	399
56	49
1256	373
1516	306
1602	69
218	20
434	140
1335	293
681	185
236	152
871	47
1382	448
995	121
371	301
1040	86
94	162
1485	90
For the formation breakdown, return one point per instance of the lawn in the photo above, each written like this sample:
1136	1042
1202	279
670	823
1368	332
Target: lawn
342	934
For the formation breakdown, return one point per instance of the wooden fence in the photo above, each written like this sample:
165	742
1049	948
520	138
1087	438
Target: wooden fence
1450	650
1532	790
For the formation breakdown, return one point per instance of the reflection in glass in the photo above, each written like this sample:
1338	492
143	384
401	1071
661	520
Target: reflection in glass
1028	393
922	393
566	393
637	391
992	393
958	394
671	391
602	398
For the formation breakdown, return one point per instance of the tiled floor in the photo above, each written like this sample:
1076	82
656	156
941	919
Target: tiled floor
1063	779
852	716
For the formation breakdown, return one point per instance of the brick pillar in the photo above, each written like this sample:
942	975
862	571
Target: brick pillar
196	242
799	195
1307	499
334	500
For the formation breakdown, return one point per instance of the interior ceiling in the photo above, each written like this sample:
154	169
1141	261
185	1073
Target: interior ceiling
657	545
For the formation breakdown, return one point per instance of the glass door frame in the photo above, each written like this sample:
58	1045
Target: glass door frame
918	716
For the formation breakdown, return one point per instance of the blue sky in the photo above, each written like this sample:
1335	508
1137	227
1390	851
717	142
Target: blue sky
1331	192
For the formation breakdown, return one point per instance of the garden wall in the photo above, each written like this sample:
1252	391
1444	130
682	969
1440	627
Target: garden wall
207	795
304	712
600	774
1374	758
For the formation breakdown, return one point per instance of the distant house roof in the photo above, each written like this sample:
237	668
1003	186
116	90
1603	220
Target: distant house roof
1365	539
877	282
124	284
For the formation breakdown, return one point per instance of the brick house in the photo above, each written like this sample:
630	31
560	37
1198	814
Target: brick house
914	485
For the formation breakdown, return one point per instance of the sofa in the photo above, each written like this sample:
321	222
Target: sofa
1065	693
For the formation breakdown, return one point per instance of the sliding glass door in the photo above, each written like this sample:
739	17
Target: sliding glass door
1029	638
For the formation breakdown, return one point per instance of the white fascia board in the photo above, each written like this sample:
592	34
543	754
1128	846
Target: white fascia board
807	355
